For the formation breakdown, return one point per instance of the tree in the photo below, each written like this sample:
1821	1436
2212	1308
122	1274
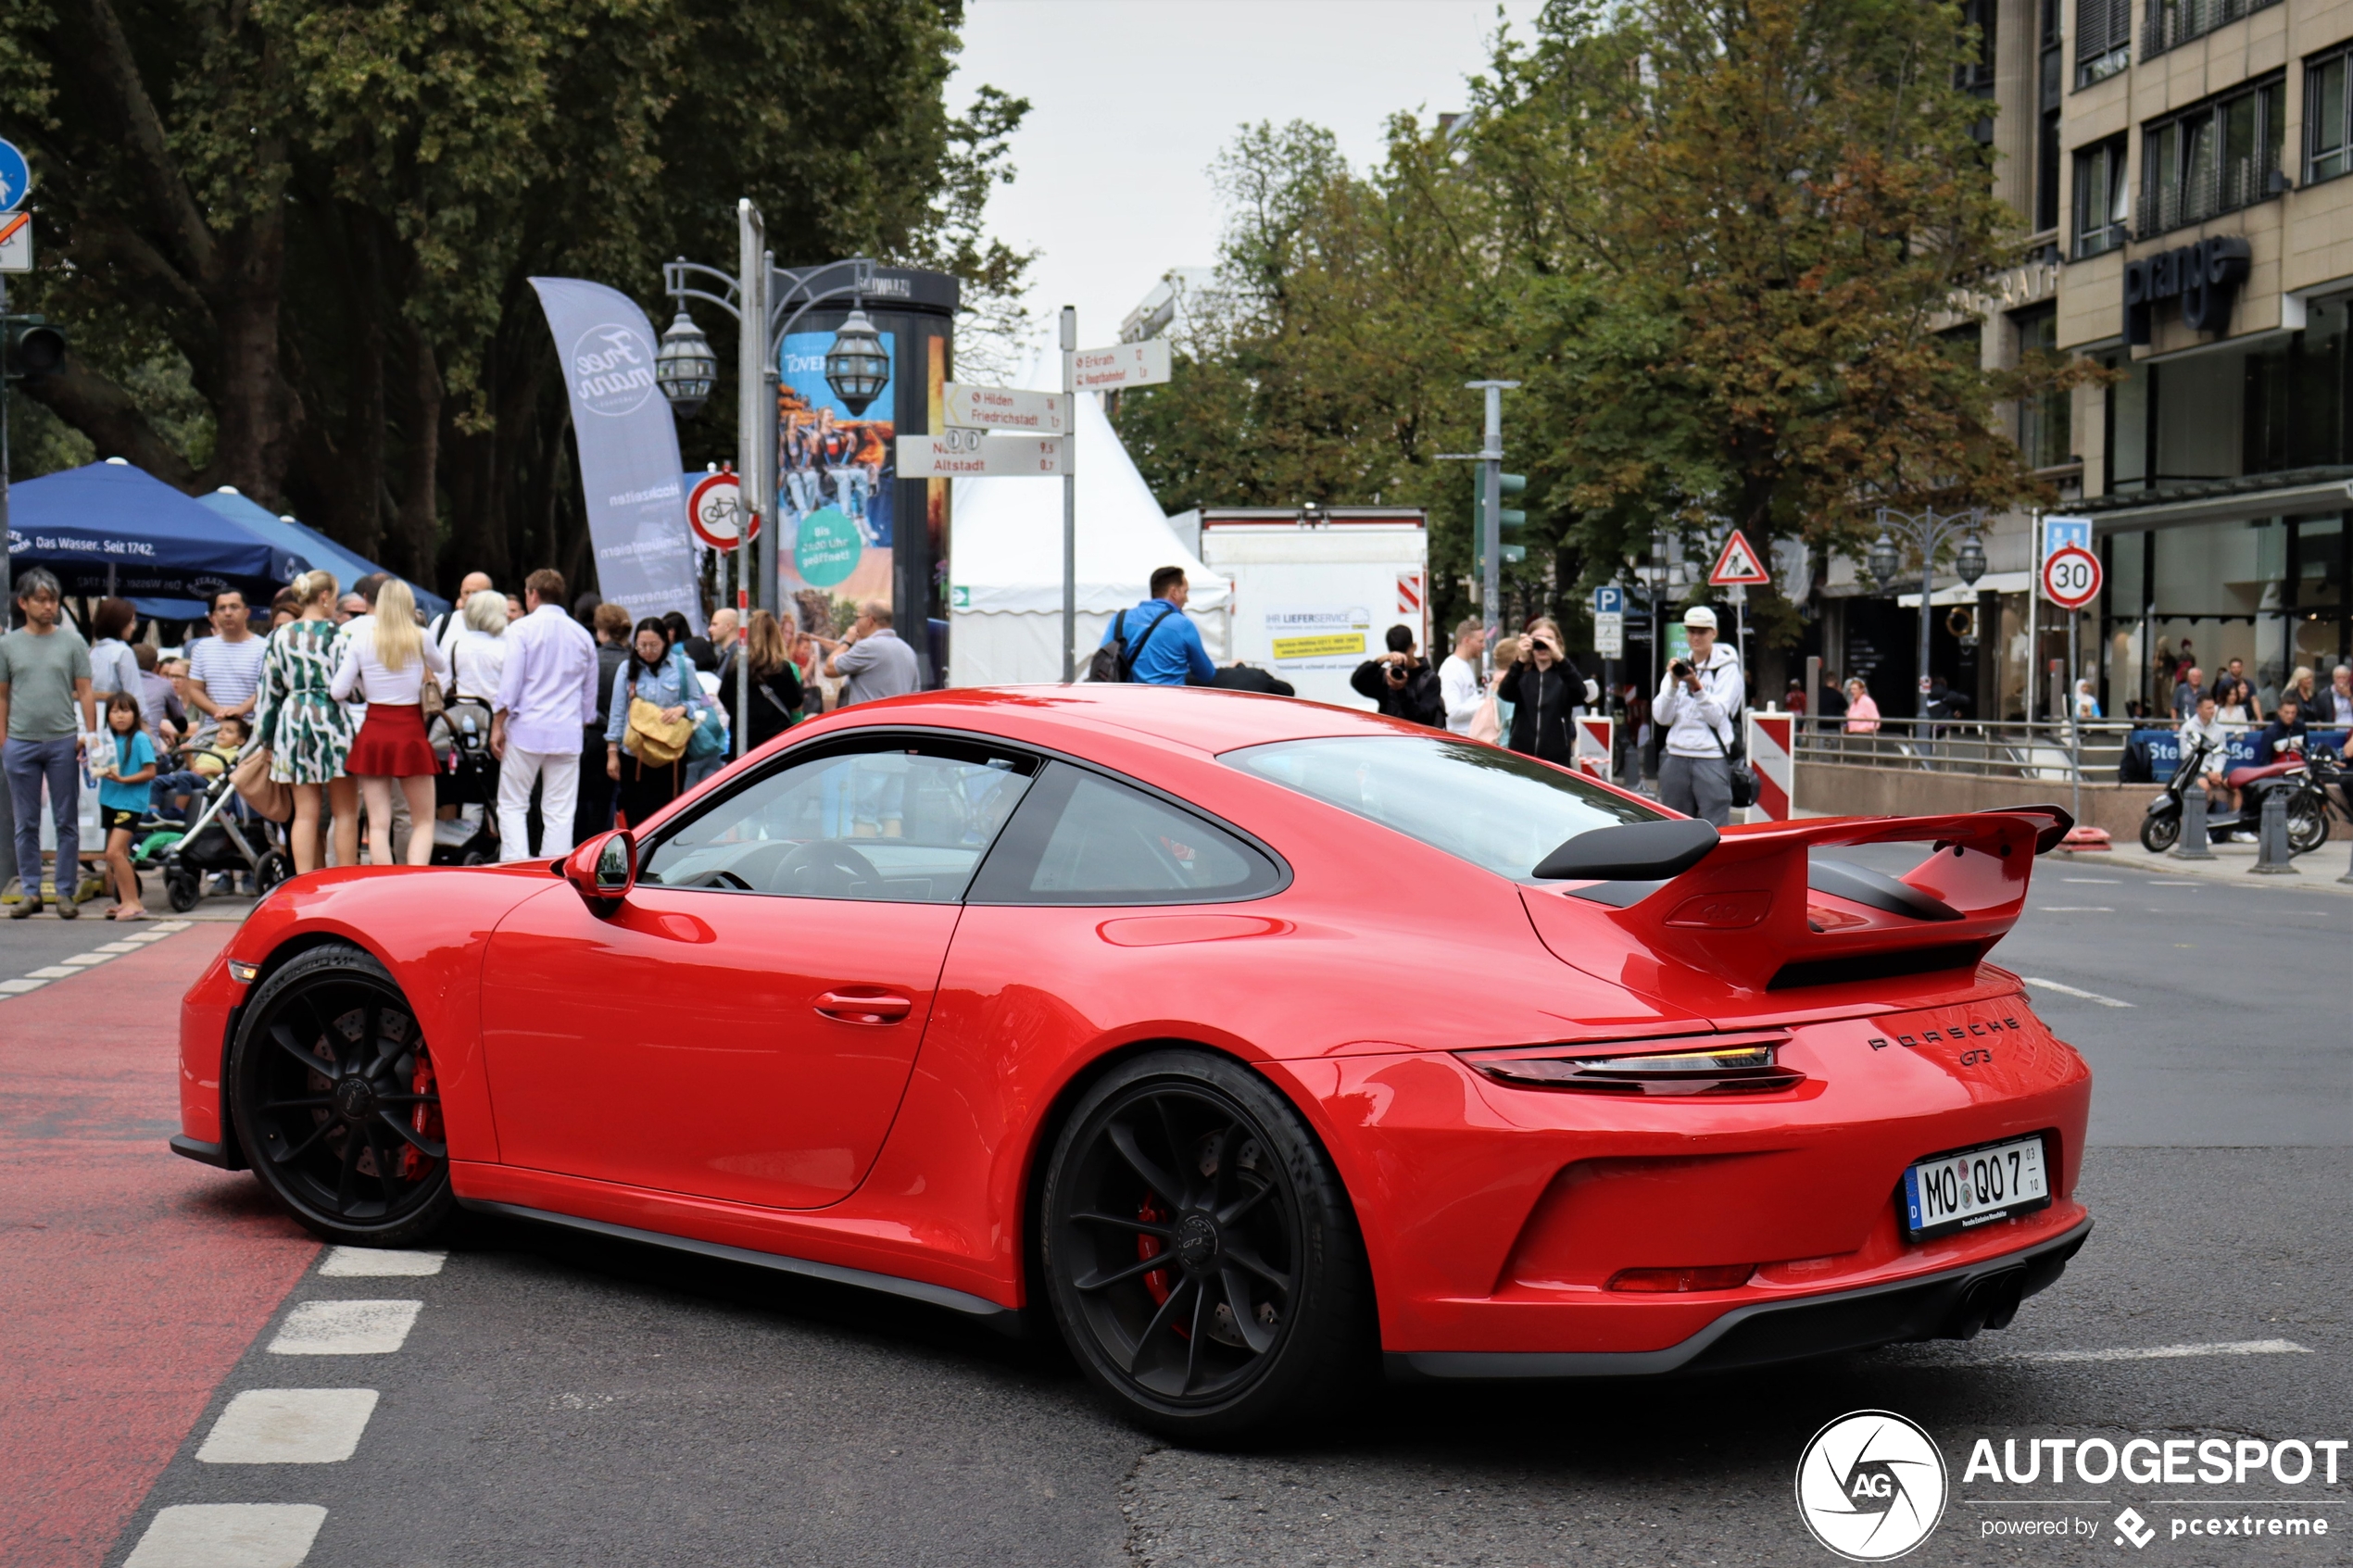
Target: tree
326	216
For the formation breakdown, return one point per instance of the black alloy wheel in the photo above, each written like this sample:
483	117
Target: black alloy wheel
1199	1251
337	1103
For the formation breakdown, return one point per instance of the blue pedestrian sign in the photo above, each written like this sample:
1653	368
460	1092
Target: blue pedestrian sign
1609	600
15	178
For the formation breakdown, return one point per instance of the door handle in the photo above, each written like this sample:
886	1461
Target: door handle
863	1010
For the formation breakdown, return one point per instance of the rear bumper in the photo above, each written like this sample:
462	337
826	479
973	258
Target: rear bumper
1951	1305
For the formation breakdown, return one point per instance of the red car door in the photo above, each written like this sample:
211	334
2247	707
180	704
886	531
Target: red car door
743	1026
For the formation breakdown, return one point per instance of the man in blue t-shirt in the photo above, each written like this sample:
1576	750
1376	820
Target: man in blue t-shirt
1173	652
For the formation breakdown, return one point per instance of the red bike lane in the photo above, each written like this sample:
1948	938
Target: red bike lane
130	1280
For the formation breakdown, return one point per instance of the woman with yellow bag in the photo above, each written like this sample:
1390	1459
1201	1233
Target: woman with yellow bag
655	702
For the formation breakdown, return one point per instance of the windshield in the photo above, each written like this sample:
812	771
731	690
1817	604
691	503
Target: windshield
1494	809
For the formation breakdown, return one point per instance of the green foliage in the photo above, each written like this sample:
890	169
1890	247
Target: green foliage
328	212
1717	242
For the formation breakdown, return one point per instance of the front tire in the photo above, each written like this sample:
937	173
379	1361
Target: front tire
2308	825
2159	834
1259	1311
337	1102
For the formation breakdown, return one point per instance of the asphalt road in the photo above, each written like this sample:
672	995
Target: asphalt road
565	1401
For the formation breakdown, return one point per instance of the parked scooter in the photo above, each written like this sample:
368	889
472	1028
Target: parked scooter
2306	780
2161	823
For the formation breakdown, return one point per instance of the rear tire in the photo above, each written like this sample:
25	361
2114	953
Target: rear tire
1262	1312
337	1103
2159	834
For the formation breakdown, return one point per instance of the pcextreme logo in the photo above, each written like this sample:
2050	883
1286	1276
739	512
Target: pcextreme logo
1871	1486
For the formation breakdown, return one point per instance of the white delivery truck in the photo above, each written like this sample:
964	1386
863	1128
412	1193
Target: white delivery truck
1316	589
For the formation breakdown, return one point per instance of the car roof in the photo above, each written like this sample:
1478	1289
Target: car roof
1203	720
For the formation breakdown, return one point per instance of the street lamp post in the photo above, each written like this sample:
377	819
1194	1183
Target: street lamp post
1928	531
766	302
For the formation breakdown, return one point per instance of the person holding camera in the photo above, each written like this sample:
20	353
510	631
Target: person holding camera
1698	704
1400	683
1545	690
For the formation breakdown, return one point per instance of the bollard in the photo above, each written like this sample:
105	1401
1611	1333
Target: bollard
2347	877
2272	857
2195	841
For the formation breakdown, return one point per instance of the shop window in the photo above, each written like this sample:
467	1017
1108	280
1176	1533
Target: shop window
2103	202
2128	426
2295	395
2046	433
2214	158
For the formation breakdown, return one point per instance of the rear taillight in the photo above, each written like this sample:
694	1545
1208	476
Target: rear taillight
1718	1276
1711	1064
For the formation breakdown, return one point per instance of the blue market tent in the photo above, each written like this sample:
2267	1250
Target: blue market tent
323	553
112	527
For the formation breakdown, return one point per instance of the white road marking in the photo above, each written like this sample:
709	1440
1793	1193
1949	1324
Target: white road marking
2169	1352
18	988
83	961
371	1262
166	927
289	1426
345	1328
52	972
2154	882
229	1534
125	946
2101	881
2075	908
2071	991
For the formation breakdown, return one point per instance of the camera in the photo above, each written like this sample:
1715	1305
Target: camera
1679	667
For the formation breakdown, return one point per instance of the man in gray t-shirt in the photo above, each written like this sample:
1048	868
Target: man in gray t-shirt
44	689
873	663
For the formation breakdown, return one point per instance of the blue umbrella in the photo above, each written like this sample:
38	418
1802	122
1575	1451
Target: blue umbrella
110	528
323	553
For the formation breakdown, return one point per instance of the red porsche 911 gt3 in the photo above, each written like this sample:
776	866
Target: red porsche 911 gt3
1241	1038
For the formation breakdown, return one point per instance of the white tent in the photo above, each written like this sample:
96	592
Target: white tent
1005	564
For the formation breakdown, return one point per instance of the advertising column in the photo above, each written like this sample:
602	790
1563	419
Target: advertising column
852	528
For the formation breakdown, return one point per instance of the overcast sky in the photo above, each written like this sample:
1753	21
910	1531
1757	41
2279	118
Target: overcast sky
1132	99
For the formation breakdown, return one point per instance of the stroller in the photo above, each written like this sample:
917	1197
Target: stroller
469	782
221	835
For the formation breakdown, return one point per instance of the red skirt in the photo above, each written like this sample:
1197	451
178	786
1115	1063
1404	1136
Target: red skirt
391	744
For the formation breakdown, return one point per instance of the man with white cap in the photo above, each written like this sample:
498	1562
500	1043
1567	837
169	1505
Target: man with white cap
1698	704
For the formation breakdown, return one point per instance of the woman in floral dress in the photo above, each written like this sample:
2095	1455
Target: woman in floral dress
306	729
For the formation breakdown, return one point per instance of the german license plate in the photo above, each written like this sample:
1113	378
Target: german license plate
1975	1186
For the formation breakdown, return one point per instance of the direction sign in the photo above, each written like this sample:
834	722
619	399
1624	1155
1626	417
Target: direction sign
1737	563
715	509
965	406
972	454
1122	365
16	242
16	178
2072	577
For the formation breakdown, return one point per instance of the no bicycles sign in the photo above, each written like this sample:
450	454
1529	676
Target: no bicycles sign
2072	577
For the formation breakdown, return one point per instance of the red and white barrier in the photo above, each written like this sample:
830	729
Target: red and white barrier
1595	740
1773	747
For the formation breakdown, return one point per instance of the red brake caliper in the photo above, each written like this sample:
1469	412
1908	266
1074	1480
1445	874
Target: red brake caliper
1157	1280
425	1118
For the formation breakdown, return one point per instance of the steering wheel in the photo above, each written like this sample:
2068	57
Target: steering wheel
826	868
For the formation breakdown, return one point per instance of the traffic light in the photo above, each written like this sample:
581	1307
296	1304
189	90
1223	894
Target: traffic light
1511	518
34	348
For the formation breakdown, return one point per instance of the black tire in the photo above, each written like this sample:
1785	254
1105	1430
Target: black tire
2308	825
2159	834
184	889
269	870
1263	1313
353	1147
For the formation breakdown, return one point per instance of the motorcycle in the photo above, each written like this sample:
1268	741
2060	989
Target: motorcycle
2161	823
2306	779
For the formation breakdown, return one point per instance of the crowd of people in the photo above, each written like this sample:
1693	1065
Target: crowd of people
366	714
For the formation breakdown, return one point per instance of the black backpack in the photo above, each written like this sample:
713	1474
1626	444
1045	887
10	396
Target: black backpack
1115	660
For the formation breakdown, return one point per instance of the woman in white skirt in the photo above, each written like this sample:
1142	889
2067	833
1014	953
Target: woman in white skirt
387	659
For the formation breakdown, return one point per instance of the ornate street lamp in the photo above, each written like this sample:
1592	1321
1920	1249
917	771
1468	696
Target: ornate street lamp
684	367
856	366
1970	562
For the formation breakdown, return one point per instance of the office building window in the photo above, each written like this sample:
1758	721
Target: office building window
2103	202
2328	148
2103	39
2170	22
2216	158
2051	79
2046	433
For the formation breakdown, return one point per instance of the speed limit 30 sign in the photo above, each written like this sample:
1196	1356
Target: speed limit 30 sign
2072	577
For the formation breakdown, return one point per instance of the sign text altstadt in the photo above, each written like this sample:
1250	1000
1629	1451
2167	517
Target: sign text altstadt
972	454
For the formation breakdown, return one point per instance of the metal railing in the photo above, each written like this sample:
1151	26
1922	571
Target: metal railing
2042	751
2208	190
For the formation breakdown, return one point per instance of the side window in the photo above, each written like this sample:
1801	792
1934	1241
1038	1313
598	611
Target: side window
1080	838
896	821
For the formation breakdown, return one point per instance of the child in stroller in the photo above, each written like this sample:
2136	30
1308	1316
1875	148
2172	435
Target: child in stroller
223	836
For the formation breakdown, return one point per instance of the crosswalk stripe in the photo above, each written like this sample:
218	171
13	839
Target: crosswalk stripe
375	1262
289	1426
229	1534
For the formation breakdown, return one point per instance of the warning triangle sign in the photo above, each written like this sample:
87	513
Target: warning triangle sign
1737	564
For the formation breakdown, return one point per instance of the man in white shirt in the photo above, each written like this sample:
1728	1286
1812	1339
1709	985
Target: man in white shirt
224	669
2204	728
1458	681
1697	703
546	691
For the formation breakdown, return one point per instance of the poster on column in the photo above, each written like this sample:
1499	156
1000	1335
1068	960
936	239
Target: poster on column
836	474
628	442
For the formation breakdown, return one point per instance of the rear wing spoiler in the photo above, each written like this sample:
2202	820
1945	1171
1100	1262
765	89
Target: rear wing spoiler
1757	914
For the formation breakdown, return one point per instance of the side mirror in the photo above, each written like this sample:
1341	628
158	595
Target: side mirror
603	869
